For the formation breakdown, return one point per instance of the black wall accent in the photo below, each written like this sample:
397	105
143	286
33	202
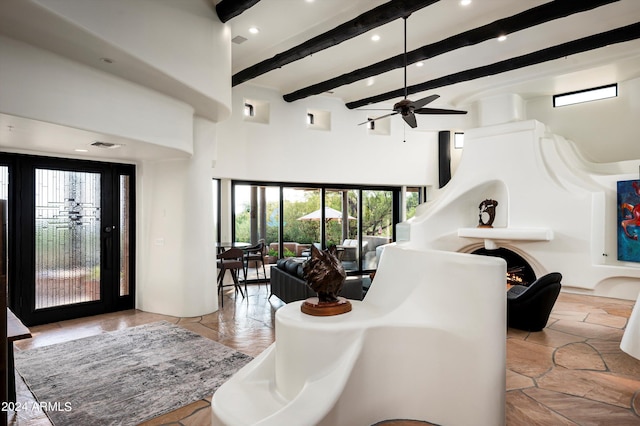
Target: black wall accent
529	18
444	157
228	9
367	21
619	35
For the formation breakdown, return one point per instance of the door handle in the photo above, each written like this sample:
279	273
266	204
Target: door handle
108	246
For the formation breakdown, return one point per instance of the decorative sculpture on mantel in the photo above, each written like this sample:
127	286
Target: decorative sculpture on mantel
325	275
488	211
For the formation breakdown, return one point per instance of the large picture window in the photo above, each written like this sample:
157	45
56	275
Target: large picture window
290	218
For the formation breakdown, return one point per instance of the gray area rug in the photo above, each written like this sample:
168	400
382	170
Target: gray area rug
128	376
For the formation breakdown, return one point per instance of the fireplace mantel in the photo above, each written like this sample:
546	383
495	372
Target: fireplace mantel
490	235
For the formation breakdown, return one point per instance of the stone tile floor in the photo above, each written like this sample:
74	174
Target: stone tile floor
571	373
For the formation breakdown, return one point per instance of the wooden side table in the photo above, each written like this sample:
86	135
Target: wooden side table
16	330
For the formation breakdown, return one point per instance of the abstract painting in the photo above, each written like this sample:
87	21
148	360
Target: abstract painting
629	220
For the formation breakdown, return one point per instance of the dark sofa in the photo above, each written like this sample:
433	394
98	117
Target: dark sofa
288	283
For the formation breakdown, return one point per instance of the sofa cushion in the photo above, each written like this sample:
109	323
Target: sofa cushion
300	271
291	266
280	263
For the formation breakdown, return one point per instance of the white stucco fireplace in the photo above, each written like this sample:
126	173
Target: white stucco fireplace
556	209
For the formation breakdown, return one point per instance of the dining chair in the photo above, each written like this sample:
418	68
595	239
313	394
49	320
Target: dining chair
230	260
255	254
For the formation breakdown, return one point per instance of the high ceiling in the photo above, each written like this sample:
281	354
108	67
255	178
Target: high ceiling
465	61
285	24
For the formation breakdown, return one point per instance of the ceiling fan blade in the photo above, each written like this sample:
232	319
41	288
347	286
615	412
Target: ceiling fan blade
410	120
377	118
422	102
438	111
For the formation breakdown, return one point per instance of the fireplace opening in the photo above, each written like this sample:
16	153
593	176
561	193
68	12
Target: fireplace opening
519	272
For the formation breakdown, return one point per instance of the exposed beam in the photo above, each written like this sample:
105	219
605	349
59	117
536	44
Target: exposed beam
619	35
367	21
529	18
228	9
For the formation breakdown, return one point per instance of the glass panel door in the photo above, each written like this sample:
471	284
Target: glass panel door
67	238
341	226
71	238
301	222
377	224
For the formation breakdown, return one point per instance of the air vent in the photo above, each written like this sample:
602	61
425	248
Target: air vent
106	145
238	39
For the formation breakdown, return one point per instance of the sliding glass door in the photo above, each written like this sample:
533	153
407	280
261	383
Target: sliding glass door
356	220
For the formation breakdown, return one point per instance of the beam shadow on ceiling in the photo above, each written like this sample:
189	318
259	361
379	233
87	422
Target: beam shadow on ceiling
367	21
619	35
527	19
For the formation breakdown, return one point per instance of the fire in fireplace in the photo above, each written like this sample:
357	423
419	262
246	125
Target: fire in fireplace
519	272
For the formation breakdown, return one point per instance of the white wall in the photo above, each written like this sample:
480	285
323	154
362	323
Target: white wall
175	259
543	187
183	39
605	131
43	86
177	244
285	150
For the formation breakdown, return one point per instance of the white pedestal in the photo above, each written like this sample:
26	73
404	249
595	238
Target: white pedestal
430	333
631	339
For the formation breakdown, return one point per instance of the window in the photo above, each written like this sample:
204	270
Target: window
458	140
597	93
412	197
293	217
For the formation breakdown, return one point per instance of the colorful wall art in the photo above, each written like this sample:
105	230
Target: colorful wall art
629	220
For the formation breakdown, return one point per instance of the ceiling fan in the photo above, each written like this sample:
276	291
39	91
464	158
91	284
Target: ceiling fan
407	108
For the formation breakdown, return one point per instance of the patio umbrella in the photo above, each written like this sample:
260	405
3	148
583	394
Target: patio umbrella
329	214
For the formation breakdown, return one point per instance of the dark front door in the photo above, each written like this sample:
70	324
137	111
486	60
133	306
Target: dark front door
70	239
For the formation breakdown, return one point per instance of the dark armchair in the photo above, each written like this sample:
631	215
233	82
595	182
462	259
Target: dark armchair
528	308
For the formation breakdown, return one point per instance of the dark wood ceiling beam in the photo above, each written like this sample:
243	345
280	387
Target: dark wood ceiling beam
529	18
228	9
367	21
619	35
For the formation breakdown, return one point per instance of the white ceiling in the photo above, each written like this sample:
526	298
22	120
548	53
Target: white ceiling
286	23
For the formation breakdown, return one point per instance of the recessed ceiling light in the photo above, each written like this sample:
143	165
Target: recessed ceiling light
502	37
309	1
81	150
254	30
419	64
375	37
371	81
107	60
465	2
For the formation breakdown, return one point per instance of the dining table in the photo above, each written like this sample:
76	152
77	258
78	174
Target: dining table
222	246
